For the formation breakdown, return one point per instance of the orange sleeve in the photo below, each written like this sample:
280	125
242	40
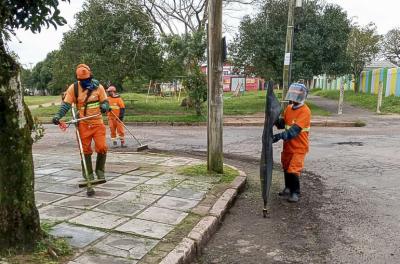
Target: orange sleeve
121	103
102	94
304	119
70	95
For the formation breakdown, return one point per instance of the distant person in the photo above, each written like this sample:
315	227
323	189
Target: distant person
116	117
296	121
90	99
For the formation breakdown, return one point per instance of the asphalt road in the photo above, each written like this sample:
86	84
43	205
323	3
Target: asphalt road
349	208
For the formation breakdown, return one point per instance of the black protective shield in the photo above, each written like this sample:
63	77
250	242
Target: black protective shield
272	112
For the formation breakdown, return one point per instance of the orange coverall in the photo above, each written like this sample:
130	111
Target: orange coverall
93	128
116	127
295	149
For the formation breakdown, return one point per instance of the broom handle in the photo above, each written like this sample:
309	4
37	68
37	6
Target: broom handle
119	120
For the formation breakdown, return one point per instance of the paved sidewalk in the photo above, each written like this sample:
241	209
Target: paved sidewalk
143	201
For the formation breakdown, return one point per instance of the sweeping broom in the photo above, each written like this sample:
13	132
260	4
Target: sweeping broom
141	146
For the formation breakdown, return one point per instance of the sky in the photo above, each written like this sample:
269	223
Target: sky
34	47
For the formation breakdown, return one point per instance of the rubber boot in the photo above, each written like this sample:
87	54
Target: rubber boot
295	189
286	190
123	145
89	177
100	165
115	144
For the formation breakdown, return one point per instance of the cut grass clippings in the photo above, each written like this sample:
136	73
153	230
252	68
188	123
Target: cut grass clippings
168	109
49	250
390	104
201	170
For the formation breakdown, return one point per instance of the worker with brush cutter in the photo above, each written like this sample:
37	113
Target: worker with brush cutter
117	109
90	99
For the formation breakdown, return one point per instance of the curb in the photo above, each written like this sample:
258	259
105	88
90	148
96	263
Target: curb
192	245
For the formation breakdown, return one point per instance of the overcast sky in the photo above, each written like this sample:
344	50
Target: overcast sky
34	47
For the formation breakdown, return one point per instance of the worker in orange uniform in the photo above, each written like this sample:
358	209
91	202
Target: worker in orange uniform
90	98
296	121
117	111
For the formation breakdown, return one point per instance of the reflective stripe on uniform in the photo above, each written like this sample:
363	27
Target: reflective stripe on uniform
114	107
91	105
306	129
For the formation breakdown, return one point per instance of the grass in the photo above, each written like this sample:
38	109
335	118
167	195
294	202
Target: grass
168	109
59	247
38	100
201	170
390	104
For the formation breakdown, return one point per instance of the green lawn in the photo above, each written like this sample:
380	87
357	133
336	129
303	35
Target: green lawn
156	109
390	104
38	100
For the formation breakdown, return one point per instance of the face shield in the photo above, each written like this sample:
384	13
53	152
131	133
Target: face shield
297	93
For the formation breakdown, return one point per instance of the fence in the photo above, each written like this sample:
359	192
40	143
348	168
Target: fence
369	81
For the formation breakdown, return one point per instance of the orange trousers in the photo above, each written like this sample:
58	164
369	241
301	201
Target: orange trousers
97	133
116	127
293	162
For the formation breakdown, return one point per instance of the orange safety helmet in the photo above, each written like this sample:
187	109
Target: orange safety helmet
83	72
112	89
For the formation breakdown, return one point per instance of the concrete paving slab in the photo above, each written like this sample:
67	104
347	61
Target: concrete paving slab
43	198
152	188
195	185
77	236
145	228
125	246
100	220
51	179
57	213
120	207
188	193
106	194
151	174
163	215
80	202
137	172
46	171
174	162
62	188
69	173
118	185
120	169
164	181
42	185
138	198
88	258
129	178
176	203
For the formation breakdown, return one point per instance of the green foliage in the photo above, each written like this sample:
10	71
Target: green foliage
196	85
363	47
320	40
201	170
38	100
391	46
390	104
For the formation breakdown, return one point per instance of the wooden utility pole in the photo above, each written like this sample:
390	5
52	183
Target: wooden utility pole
287	67
215	91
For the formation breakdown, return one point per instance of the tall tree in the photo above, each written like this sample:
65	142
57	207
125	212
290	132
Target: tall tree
19	218
391	46
363	47
116	38
320	39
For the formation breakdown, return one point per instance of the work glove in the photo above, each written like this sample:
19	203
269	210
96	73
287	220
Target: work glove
56	120
105	107
276	138
121	118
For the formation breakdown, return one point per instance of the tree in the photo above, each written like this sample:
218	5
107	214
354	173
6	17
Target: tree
19	217
117	40
391	46
320	40
363	47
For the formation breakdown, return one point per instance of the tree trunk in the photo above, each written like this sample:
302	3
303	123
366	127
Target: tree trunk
19	217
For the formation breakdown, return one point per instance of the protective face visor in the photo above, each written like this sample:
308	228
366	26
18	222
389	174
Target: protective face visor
297	93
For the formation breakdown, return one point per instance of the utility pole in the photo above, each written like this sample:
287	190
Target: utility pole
287	65
215	91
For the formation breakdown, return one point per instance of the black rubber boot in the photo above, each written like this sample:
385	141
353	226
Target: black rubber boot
100	166
89	166
286	190
295	189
